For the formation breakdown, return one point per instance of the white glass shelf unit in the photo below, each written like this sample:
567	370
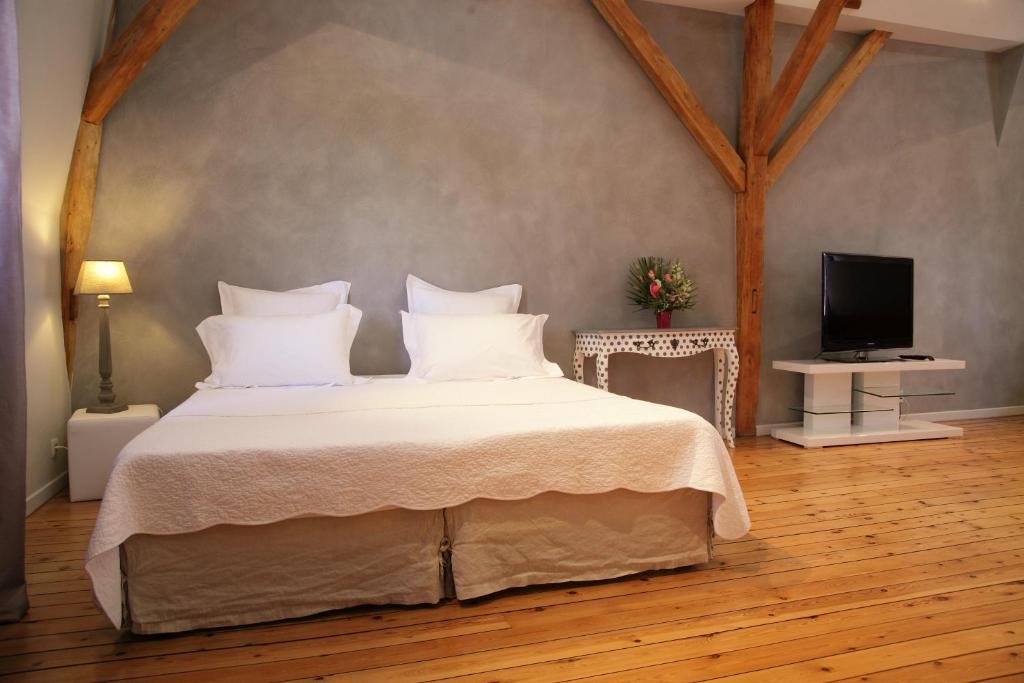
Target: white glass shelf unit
851	403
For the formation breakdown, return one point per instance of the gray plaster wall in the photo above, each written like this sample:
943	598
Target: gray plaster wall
479	142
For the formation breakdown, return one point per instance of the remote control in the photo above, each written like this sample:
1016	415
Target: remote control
916	356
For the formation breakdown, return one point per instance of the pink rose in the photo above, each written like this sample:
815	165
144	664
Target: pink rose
655	288
650	274
668	277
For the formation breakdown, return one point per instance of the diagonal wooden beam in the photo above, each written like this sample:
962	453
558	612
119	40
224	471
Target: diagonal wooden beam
758	39
674	89
825	102
76	224
796	71
112	75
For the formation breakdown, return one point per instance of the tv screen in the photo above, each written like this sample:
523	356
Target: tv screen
867	302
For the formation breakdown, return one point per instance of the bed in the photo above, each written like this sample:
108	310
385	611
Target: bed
247	505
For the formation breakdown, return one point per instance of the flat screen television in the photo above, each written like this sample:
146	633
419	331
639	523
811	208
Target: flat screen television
867	302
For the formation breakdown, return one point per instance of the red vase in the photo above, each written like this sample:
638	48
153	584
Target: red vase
664	319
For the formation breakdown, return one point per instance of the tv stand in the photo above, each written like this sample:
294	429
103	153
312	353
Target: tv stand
847	403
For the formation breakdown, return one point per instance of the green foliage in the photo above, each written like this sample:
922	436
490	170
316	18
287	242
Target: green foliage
659	285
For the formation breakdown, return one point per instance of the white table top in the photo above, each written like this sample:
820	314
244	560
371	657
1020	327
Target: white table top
654	330
146	410
819	366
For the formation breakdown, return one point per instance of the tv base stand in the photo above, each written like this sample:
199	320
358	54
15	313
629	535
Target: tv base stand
847	403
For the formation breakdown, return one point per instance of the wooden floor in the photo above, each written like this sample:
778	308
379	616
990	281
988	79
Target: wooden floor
896	562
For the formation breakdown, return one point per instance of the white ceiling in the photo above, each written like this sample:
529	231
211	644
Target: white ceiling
990	25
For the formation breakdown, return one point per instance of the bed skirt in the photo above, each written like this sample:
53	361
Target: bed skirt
232	575
557	537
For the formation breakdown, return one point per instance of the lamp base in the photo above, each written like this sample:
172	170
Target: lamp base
107	408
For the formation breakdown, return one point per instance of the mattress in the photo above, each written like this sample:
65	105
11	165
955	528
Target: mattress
260	456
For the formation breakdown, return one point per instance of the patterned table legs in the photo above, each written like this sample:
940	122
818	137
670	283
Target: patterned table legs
601	368
727	367
602	371
720	392
732	374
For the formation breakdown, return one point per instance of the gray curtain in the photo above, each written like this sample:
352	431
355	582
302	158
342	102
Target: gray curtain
13	598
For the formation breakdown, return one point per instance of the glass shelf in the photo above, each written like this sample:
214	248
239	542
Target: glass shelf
894	392
840	410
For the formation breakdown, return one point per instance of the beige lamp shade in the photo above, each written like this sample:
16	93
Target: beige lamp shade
103	277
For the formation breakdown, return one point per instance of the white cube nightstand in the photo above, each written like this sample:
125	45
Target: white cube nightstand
95	439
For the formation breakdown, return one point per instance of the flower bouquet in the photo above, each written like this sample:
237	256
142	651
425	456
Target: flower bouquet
661	286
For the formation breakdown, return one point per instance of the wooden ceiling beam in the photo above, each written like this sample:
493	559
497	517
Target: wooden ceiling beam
796	71
825	102
123	61
674	89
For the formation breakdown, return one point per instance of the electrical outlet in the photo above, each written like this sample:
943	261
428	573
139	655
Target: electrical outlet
54	447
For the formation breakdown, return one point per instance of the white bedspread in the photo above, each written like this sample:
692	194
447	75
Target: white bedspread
256	456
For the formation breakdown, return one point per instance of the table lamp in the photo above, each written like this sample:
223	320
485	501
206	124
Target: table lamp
104	278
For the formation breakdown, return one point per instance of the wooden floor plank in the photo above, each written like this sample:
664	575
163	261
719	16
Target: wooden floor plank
861	662
891	495
990	497
880	562
741	650
977	666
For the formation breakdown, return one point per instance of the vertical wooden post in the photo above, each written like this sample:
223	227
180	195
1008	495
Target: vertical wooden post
750	222
750	208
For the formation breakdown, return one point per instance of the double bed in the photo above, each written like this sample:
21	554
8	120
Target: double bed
247	505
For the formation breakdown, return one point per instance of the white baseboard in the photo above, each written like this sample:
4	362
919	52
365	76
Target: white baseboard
940	416
45	492
766	430
972	414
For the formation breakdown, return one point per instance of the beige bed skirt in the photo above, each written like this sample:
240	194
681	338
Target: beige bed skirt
232	575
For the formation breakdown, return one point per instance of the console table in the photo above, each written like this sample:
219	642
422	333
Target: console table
852	403
670	343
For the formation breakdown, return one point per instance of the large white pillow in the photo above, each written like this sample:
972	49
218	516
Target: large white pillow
329	296
464	347
280	350
424	297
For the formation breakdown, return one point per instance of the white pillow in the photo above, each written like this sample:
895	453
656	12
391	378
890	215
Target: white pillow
281	350
424	297
427	298
463	347
329	296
